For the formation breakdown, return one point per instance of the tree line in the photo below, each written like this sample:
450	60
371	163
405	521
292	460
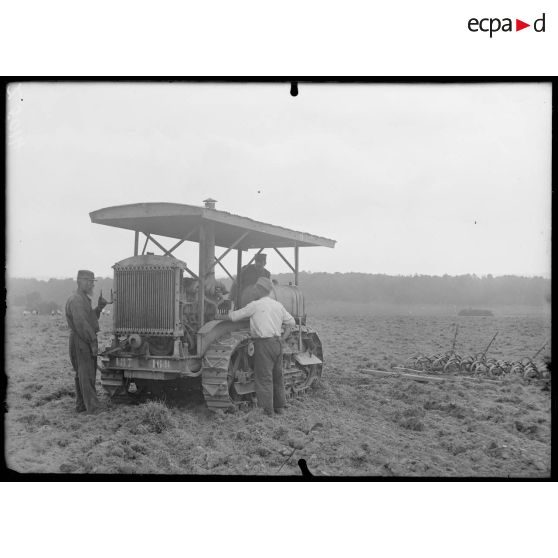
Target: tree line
460	290
45	296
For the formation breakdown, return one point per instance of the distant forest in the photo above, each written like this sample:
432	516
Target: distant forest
34	294
461	290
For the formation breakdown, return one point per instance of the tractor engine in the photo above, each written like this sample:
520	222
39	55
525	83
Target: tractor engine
148	303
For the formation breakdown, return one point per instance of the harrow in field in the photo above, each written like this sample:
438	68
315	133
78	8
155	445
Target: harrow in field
527	368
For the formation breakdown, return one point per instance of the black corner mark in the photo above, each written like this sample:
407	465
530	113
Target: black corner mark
304	469
294	88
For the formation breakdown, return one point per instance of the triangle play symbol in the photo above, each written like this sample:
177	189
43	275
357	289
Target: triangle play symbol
519	25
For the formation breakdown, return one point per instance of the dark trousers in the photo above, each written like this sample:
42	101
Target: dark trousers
85	366
268	368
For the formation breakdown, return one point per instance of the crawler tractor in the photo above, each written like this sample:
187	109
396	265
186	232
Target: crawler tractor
168	327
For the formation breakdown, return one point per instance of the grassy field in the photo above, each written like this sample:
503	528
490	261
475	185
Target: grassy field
352	423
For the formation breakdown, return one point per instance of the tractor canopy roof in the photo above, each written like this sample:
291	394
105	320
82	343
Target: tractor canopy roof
182	221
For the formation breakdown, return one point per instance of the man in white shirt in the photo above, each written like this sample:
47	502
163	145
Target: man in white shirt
267	316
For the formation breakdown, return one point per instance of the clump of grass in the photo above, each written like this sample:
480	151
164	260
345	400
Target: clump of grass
263	451
410	418
411	423
139	448
413	412
241	435
156	417
28	419
34	421
529	429
453	409
358	457
507	399
163	462
33	386
59	393
455	448
280	433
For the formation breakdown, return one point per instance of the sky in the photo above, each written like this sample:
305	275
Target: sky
407	178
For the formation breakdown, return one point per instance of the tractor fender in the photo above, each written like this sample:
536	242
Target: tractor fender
212	330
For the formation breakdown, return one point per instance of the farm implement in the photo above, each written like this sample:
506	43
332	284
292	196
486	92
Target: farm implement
528	368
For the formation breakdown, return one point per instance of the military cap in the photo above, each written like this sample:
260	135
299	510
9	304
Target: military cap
260	256
264	283
86	274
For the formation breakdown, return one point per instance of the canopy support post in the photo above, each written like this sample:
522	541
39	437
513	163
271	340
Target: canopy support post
238	270
207	256
145	244
296	266
136	242
201	275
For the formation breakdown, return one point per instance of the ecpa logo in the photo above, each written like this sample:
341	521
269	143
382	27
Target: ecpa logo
494	24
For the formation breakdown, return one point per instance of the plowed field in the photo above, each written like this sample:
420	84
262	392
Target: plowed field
353	423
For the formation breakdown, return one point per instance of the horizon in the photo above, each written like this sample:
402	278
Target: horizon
225	277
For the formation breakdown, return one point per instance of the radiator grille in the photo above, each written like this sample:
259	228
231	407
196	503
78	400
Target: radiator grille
145	300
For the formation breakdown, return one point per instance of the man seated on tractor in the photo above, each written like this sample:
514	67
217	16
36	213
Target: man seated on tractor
249	275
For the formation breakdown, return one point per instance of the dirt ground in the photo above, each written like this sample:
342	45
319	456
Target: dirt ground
351	424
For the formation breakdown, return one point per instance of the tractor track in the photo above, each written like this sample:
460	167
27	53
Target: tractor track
216	380
215	370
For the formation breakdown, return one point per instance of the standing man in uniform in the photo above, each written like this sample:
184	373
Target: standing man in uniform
266	318
84	325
